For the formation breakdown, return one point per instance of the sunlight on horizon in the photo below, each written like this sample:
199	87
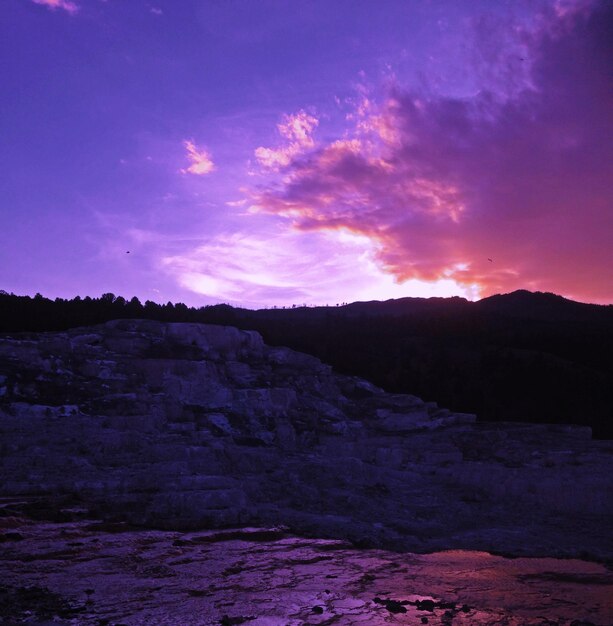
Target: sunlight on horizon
296	268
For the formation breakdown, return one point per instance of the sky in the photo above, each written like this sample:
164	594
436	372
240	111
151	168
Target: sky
271	152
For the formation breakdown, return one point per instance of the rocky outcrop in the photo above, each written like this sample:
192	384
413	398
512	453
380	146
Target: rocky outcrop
191	426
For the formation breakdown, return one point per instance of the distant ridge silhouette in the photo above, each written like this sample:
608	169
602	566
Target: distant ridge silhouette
544	306
520	356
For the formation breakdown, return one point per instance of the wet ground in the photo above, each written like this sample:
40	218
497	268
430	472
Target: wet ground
94	573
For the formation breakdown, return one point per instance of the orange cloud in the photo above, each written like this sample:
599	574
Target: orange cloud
443	185
201	162
67	5
297	129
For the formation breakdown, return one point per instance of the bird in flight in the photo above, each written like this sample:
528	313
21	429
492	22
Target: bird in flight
490	260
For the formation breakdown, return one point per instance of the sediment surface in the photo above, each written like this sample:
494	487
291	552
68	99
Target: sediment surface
92	574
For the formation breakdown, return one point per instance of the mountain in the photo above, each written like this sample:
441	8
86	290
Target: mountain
547	307
486	357
522	356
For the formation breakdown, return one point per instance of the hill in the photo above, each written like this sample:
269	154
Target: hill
521	356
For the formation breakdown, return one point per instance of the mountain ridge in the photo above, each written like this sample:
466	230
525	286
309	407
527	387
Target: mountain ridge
481	357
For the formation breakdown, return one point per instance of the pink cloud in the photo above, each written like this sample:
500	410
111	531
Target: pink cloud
442	185
297	130
201	162
67	5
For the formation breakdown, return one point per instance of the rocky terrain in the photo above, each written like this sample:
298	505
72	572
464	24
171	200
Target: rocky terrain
80	573
517	357
185	426
188	427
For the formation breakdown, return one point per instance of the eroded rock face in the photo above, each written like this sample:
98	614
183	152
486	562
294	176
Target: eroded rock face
190	426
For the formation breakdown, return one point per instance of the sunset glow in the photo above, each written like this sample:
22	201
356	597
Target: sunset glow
268	154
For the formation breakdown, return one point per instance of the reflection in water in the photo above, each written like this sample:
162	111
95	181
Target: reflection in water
268	578
521	591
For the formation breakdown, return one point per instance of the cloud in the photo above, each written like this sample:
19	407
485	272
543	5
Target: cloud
296	129
201	162
67	5
441	184
280	267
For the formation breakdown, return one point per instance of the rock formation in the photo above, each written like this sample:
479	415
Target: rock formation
189	426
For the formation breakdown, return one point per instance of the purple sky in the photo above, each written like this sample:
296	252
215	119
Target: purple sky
263	152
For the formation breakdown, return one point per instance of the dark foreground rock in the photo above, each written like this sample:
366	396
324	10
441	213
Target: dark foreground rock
186	426
76	573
